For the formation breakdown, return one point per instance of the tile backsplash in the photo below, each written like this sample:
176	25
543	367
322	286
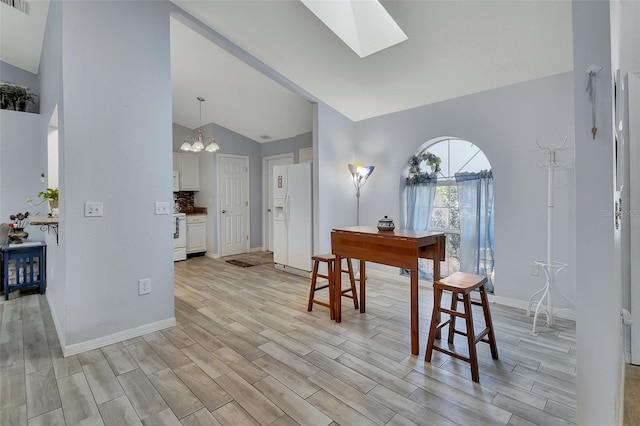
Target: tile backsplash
184	200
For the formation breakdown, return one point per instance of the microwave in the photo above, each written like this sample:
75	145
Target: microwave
176	181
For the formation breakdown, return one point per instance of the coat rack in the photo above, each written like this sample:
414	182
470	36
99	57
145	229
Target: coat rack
550	267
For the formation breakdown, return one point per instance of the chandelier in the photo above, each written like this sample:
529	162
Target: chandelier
197	144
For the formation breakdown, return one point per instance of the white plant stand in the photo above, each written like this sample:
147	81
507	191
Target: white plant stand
550	267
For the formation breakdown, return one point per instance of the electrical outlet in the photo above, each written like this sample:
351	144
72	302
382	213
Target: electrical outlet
534	269
144	286
93	209
162	207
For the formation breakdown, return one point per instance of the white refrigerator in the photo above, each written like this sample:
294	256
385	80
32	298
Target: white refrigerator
292	217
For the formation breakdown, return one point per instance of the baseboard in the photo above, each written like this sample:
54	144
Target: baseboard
56	322
395	277
568	314
77	348
620	401
292	270
217	256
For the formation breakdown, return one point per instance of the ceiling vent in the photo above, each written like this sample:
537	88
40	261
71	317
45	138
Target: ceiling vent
265	137
21	5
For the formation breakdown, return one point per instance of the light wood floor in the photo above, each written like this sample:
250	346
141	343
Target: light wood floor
246	351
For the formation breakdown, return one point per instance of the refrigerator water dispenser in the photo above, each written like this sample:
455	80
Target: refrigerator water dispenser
278	209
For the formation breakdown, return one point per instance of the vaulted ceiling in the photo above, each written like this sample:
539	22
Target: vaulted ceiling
454	48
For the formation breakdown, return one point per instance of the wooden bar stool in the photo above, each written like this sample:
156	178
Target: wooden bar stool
330	259
461	284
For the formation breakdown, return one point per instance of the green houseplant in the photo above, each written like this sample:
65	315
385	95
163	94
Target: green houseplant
51	196
16	97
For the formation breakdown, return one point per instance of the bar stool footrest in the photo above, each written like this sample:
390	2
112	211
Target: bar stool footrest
452	353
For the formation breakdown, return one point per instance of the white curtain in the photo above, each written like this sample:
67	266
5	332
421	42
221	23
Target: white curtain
418	205
475	201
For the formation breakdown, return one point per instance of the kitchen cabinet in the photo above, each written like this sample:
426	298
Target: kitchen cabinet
188	167
196	233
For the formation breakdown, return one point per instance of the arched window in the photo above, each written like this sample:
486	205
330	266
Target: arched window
450	175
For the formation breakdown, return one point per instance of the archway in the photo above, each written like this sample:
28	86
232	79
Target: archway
449	189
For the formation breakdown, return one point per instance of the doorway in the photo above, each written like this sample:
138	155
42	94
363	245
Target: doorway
267	191
233	200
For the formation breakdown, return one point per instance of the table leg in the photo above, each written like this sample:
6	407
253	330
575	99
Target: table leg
42	265
437	260
415	332
337	287
363	278
6	275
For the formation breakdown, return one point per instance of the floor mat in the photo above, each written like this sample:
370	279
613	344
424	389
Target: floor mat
239	263
245	260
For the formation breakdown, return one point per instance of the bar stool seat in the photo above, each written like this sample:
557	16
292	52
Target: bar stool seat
461	284
330	260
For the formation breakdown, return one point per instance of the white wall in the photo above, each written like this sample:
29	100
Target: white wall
22	160
51	102
598	333
625	35
115	148
334	199
504	123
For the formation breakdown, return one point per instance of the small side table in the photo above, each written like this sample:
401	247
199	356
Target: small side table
23	265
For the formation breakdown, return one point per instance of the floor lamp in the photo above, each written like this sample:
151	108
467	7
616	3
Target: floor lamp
360	175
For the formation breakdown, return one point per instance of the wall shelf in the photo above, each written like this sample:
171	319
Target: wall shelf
47	225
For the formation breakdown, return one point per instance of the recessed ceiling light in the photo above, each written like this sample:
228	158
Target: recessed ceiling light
265	137
363	25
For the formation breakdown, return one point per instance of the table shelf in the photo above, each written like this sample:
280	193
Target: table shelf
23	265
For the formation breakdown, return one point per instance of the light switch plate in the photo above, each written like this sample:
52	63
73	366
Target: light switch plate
534	269
93	209
144	286
162	207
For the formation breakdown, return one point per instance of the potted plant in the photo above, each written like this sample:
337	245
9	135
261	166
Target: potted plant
7	96
51	196
24	99
16	97
16	229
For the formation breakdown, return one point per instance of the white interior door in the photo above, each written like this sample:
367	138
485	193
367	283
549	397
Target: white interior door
267	173
633	95
233	201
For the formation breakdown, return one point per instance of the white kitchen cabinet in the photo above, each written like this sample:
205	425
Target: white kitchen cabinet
188	166
196	233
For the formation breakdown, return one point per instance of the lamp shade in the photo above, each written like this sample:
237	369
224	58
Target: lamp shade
212	146
360	172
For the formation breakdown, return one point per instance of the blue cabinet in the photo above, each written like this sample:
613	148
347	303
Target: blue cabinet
23	265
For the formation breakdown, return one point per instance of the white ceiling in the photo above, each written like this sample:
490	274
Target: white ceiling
455	48
21	35
237	96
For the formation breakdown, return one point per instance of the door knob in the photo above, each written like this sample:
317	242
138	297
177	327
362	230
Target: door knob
269	210
224	211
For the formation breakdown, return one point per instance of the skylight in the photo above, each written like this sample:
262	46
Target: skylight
363	25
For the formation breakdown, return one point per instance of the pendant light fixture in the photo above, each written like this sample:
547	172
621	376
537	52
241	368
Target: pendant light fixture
197	144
